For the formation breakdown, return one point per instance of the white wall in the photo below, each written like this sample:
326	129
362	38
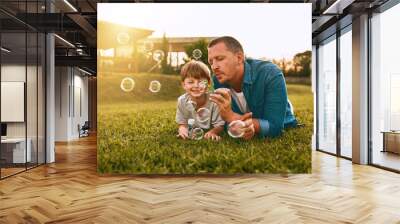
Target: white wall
79	117
62	81
71	87
33	127
16	73
13	73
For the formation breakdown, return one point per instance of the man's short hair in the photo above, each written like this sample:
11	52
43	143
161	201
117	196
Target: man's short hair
231	43
195	69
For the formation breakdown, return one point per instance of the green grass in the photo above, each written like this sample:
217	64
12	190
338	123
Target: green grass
137	135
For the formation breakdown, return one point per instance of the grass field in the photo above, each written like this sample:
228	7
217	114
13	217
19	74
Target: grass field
137	135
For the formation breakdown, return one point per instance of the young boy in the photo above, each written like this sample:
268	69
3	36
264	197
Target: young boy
195	102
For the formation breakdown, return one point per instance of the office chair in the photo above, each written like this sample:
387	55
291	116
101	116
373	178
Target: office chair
84	130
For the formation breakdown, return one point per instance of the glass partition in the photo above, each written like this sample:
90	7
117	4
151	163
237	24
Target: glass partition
22	77
32	95
41	109
327	95
346	93
14	145
385	89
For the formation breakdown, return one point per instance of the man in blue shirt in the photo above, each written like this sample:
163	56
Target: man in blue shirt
250	90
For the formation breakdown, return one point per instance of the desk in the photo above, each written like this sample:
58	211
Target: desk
16	148
391	141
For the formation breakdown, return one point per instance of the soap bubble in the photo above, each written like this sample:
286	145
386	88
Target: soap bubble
127	84
203	84
158	55
235	129
197	134
148	46
203	114
197	54
191	122
123	38
155	86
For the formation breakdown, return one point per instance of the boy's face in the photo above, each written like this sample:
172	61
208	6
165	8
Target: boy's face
195	87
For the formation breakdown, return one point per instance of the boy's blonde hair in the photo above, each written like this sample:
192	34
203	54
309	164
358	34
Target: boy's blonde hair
195	69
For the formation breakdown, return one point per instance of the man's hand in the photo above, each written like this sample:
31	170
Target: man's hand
250	126
183	132
222	98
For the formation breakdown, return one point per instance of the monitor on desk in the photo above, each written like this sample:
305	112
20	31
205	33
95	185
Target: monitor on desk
3	130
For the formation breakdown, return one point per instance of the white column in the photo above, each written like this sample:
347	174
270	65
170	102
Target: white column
360	90
50	98
50	92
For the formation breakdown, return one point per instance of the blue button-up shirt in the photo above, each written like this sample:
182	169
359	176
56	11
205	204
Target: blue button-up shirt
264	89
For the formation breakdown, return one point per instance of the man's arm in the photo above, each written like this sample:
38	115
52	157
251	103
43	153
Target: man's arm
222	98
224	101
252	128
275	95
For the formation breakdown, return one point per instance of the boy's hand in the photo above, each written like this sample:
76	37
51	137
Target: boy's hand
211	135
183	132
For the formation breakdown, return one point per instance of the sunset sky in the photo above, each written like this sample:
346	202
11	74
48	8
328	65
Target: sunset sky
265	30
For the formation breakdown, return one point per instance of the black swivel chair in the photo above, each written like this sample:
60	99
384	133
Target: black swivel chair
84	130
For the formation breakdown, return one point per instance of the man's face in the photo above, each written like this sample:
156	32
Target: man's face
224	63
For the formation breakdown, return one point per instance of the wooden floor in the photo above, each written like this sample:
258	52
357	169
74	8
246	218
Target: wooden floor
10	171
70	191
388	159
